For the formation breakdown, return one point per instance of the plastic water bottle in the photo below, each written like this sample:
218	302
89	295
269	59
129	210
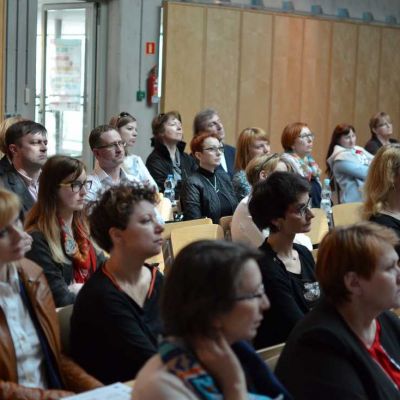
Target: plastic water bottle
169	188
326	203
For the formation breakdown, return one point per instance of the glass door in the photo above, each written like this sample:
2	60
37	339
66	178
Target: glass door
66	77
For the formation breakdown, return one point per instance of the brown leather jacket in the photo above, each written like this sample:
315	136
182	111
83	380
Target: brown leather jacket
74	378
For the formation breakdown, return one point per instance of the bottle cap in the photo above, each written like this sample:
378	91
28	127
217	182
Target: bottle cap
327	182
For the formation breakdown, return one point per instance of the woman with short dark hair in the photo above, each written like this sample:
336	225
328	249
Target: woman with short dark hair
115	323
212	304
348	346
282	203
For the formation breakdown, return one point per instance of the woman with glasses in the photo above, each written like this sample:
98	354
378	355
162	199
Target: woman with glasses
168	156
382	188
297	141
282	203
126	125
57	224
381	128
208	192
212	304
252	142
347	163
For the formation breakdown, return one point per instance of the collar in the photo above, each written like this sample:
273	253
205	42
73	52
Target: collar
208	174
102	175
9	275
27	179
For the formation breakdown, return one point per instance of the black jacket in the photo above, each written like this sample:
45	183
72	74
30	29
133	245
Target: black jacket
324	359
159	164
199	199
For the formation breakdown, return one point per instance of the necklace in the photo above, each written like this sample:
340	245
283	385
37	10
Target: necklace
213	185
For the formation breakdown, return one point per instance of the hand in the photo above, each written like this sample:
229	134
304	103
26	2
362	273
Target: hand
221	362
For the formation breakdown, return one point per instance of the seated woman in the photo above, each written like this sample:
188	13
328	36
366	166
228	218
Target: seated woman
297	140
252	142
126	125
58	226
115	322
381	131
243	228
32	364
348	346
282	203
168	156
207	192
382	188
347	163
212	303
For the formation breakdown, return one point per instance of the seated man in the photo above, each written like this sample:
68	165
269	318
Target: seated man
32	365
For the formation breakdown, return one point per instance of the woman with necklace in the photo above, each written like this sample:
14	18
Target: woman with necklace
168	156
382	188
115	323
282	203
347	347
208	192
58	226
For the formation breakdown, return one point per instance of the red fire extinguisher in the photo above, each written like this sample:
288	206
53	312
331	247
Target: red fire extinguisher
152	87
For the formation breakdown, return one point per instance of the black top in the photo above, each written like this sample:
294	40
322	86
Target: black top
374	144
160	165
111	335
324	359
291	295
387	220
208	194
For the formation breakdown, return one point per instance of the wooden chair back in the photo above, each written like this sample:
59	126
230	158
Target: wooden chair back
271	354
319	227
225	223
64	321
346	213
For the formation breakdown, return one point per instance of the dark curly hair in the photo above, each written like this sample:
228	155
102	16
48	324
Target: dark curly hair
114	208
271	198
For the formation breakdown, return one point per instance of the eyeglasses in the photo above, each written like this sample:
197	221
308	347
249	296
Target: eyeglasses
76	186
214	149
307	136
302	211
256	295
387	124
115	145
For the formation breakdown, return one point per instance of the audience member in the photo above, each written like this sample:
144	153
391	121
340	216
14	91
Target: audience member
297	141
126	125
282	203
212	304
381	128
32	364
347	163
382	188
243	228
209	121
57	223
168	156
252	142
207	192
348	346
26	143
5	161
115	322
109	150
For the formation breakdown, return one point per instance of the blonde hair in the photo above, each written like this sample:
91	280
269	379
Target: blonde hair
3	128
245	140
10	206
384	169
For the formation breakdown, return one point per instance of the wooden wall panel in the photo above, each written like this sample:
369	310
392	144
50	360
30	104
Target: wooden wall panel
184	52
2	52
255	71
367	80
314	105
343	69
286	74
389	82
221	67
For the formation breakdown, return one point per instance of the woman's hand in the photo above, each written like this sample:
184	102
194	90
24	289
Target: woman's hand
221	362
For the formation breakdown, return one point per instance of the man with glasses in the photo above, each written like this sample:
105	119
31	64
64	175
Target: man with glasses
26	145
109	150
209	121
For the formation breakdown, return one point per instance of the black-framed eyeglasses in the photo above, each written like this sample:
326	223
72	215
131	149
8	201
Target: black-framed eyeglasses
215	149
304	209
250	296
116	145
76	186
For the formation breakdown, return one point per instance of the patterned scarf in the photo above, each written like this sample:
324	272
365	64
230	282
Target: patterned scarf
181	362
80	250
309	166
